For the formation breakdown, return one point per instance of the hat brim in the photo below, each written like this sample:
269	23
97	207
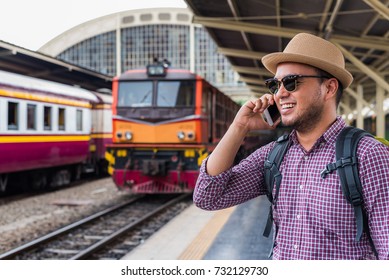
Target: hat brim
271	61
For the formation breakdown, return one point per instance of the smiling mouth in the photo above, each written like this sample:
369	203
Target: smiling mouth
287	105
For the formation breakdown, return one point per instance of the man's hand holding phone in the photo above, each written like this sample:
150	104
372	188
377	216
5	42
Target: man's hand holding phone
271	114
252	115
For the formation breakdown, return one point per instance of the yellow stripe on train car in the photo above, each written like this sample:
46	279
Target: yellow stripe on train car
44	98
43	138
102	135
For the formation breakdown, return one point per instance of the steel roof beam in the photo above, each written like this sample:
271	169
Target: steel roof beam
334	14
241	53
259	55
252	81
357	97
379	7
372	74
324	16
367	42
251	70
235	11
259	91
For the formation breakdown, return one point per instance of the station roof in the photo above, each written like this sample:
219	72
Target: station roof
34	64
246	30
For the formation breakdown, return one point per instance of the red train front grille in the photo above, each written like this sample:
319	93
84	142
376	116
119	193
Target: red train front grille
157	187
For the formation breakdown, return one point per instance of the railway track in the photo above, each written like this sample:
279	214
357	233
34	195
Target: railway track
108	234
24	192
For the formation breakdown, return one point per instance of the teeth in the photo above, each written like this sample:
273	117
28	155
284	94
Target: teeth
286	106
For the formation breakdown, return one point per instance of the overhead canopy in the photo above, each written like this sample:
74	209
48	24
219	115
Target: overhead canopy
23	61
246	30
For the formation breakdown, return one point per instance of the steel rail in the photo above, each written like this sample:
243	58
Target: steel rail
112	237
43	239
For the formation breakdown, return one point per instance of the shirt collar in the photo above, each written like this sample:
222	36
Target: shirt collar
328	136
333	131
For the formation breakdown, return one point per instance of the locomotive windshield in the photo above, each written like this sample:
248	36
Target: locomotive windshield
152	100
135	94
175	93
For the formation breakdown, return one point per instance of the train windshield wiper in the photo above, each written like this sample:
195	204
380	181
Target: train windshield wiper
145	96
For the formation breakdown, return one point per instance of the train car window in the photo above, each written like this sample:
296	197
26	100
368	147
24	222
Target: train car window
79	120
31	116
47	118
13	116
135	94
175	93
61	118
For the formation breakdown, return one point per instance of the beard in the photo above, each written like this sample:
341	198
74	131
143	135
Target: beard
308	118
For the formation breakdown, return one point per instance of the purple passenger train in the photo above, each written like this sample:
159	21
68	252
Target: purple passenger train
50	133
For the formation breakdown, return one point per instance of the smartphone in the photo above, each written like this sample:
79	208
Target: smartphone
271	114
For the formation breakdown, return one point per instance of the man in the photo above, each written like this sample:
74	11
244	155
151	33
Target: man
312	219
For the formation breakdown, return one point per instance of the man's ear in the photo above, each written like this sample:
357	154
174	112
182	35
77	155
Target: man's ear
332	86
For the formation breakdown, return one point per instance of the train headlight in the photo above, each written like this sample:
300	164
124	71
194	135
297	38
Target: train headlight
119	134
181	135
128	135
190	135
186	135
156	70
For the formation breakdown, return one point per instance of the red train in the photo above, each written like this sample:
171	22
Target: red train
50	133
165	122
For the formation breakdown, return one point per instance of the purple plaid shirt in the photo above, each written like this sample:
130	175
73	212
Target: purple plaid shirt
312	217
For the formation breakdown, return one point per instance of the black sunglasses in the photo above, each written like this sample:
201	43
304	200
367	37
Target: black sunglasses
289	82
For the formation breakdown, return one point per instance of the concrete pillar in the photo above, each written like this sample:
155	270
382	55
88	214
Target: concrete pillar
192	48
118	48
347	100
346	110
359	107
380	96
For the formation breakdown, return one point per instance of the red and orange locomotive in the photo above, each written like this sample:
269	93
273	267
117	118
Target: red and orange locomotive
165	122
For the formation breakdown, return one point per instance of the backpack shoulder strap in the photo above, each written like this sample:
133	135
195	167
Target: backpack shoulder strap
346	155
272	175
347	167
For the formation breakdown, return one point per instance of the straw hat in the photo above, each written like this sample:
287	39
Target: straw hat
312	50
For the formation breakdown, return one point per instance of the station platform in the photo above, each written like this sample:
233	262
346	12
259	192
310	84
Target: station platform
230	234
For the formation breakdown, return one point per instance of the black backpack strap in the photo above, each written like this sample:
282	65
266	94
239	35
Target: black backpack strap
346	151
347	167
273	175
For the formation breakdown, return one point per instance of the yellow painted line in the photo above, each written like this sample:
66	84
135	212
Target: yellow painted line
200	245
43	138
43	98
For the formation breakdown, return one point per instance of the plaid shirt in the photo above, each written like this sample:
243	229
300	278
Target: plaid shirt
312	217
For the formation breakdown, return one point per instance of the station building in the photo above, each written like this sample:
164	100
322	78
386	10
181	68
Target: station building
131	39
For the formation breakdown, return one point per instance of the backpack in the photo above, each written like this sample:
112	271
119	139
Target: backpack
345	165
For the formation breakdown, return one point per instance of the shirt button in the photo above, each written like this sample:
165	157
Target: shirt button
298	216
295	246
306	157
301	187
